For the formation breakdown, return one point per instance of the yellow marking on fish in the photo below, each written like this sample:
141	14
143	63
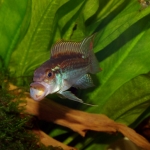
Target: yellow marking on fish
40	92
56	68
37	92
46	80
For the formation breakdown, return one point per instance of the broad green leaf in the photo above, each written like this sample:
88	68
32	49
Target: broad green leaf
47	17
33	49
11	18
1	2
123	59
67	14
135	100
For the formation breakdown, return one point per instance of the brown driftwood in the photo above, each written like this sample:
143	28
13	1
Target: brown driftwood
80	121
47	140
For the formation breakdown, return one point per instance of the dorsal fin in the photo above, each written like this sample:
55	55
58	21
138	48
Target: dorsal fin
87	45
68	47
64	47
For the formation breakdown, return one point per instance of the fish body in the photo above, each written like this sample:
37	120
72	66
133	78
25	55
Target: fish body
69	66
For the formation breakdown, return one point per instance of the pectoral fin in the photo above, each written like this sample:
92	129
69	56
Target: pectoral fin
84	82
71	96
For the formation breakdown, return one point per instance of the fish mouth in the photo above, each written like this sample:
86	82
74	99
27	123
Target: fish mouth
38	90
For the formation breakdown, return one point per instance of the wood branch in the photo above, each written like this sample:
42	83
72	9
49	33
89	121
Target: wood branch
80	121
44	138
47	140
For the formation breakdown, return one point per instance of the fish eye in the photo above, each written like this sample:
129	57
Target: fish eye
49	74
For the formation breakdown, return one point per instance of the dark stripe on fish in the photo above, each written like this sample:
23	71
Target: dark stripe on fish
72	61
64	48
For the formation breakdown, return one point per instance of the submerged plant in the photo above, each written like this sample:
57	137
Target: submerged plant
16	126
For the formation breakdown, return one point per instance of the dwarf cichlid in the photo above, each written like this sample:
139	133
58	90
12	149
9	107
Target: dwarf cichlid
69	66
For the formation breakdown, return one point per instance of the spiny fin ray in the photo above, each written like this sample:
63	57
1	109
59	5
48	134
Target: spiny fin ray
64	47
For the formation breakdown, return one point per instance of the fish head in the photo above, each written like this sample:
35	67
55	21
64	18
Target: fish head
45	82
43	74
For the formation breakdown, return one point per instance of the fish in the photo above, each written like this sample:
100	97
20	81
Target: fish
70	65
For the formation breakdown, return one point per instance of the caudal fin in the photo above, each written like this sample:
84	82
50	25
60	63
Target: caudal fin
94	67
87	48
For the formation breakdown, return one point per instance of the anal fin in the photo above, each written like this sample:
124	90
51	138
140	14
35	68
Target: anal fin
84	82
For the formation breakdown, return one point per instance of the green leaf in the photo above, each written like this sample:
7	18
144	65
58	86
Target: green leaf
129	101
33	50
124	57
47	17
11	17
67	15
